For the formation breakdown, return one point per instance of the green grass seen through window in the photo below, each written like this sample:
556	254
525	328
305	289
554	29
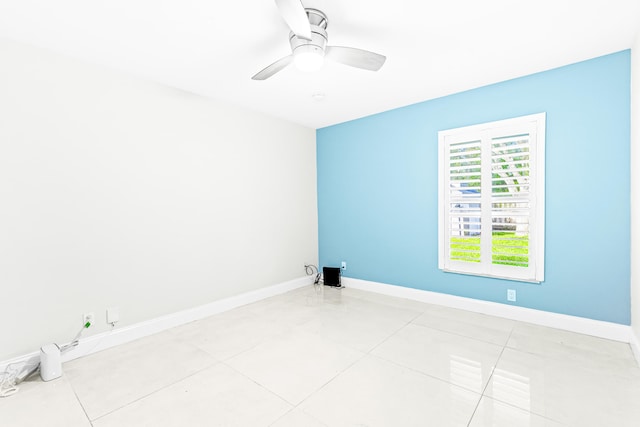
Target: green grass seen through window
507	249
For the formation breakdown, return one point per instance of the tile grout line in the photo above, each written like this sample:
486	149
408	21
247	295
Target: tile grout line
304	412
461	335
407	323
410	322
367	353
216	362
262	386
80	402
364	355
493	369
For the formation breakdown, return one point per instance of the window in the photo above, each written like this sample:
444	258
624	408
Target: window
491	199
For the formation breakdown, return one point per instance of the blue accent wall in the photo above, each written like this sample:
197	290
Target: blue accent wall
378	195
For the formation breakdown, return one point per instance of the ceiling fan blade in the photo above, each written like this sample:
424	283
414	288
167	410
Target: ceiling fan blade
294	15
355	57
273	68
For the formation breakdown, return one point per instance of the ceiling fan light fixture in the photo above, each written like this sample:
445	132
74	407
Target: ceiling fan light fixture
308	39
308	58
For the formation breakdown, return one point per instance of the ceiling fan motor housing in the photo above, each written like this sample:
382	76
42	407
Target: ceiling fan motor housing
318	22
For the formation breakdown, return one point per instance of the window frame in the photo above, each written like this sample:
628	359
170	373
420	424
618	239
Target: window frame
535	126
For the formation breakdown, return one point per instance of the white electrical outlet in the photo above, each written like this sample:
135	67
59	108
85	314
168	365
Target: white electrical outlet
344	265
511	294
113	315
88	317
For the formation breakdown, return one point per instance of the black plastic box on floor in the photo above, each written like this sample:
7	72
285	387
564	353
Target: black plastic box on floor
331	276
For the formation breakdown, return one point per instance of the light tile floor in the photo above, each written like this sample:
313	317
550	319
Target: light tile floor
340	357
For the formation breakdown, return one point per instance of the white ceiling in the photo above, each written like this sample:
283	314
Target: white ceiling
433	48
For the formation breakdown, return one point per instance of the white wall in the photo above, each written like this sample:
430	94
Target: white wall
635	194
115	191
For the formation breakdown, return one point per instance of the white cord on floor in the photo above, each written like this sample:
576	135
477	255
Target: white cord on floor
11	377
8	385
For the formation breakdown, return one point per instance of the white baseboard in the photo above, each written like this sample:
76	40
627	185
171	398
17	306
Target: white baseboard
129	333
102	341
598	328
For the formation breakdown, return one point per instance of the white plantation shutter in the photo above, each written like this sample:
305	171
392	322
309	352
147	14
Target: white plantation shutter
491	199
464	205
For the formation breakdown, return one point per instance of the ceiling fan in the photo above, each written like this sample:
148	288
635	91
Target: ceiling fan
308	40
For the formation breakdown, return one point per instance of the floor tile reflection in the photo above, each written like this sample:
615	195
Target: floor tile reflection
567	391
462	361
